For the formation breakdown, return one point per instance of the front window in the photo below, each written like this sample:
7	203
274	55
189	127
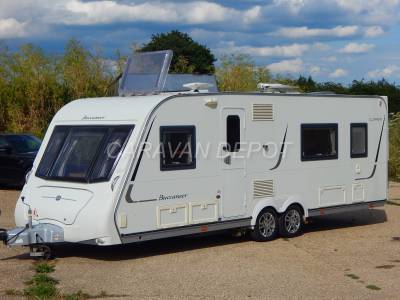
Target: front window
83	153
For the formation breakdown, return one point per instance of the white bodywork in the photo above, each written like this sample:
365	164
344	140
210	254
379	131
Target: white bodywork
107	213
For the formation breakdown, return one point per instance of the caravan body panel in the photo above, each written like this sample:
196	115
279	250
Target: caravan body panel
214	185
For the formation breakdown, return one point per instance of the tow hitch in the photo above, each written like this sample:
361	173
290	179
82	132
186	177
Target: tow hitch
38	238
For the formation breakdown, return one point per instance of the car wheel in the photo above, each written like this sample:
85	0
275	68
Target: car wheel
291	221
266	227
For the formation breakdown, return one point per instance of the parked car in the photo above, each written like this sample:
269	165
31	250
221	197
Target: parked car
17	152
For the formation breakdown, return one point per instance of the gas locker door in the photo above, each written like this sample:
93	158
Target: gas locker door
233	162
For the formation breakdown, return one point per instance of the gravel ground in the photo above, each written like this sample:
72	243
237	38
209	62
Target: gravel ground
337	258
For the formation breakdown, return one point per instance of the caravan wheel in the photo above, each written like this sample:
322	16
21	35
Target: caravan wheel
266	227
291	221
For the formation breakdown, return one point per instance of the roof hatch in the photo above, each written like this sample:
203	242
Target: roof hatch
147	73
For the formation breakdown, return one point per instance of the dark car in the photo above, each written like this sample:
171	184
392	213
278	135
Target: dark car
17	152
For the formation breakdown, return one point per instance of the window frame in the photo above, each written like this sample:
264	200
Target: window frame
362	125
179	129
88	179
319	126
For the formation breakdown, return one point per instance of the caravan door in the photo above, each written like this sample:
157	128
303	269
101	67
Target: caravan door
233	162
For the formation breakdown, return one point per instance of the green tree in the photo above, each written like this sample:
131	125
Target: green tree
381	88
84	74
32	93
236	73
189	56
306	84
394	147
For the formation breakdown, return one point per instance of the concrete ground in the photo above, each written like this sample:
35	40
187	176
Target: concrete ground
338	257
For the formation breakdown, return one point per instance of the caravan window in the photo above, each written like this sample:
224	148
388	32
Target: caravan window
319	141
83	153
359	140
233	133
177	148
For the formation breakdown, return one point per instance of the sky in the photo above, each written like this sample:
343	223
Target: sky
331	40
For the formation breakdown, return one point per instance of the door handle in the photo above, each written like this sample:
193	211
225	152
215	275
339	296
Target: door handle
228	160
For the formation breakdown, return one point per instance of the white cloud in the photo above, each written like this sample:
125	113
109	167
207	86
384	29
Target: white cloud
373	31
292	50
331	58
356	48
81	12
252	14
321	46
197	12
315	70
373	11
294	6
338	73
287	66
385	72
305	32
11	28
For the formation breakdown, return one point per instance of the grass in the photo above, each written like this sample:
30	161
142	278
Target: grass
385	267
83	296
393	202
44	287
41	291
77	296
14	292
44	267
373	287
353	276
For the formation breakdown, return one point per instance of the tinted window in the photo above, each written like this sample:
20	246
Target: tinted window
78	153
23	143
359	140
319	141
52	150
83	153
233	133
177	145
110	153
3	142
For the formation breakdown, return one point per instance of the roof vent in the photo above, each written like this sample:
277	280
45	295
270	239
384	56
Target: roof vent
198	86
277	88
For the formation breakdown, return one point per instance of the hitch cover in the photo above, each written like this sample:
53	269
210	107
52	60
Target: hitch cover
38	234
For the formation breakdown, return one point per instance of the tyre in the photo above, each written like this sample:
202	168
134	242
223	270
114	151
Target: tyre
266	227
291	221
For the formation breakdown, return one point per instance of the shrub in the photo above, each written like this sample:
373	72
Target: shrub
394	147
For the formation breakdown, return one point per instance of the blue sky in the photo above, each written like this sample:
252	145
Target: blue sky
335	40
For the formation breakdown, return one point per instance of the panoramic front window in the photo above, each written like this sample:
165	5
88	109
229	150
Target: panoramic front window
359	140
83	153
177	145
319	141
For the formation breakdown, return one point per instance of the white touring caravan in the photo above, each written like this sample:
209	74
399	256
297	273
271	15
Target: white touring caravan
153	164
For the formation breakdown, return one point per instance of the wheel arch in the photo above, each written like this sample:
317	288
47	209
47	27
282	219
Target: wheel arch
294	200
262	204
